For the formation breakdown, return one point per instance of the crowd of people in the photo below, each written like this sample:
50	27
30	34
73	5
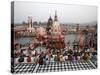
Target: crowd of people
69	53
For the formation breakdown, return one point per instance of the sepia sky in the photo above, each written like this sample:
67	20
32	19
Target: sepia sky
42	11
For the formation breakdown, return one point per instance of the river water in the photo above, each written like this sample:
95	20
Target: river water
67	38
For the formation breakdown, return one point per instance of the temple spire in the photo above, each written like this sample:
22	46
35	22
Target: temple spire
29	21
55	18
50	17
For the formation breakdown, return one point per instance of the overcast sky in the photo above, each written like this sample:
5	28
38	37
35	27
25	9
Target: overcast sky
66	13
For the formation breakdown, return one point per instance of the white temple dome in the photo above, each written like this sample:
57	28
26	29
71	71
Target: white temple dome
56	29
56	26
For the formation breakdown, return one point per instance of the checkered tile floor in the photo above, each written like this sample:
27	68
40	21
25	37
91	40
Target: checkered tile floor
24	68
53	66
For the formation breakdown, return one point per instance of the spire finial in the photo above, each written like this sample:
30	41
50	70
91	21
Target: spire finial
55	13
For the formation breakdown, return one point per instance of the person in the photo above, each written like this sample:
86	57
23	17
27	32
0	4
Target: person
29	59
61	58
74	58
65	53
86	56
29	51
30	48
70	55
16	53
79	55
88	50
21	59
22	55
70	52
52	58
70	58
75	54
94	55
46	61
36	59
41	58
22	52
55	59
78	58
33	53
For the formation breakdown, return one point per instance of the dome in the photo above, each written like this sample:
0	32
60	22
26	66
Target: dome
56	24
